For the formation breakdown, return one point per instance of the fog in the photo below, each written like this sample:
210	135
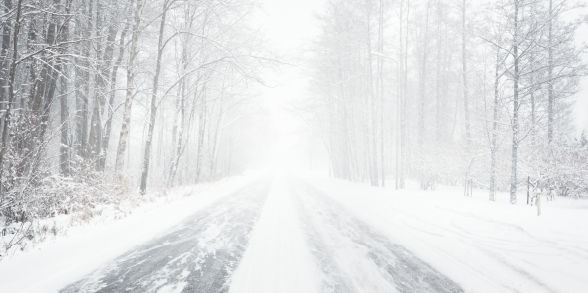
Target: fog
342	121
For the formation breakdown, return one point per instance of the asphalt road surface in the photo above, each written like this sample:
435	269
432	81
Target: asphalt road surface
334	234
200	254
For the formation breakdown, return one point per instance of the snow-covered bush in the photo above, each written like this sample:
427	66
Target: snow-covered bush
28	203
563	168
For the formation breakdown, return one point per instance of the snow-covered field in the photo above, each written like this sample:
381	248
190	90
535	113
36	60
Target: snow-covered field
306	233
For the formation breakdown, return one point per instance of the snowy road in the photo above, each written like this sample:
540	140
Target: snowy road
355	258
295	239
197	256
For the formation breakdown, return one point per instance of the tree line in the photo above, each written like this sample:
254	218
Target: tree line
97	96
452	92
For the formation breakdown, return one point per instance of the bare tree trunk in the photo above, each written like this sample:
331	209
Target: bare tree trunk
44	87
422	79
64	117
550	97
201	135
438	120
113	83
372	124
95	136
401	101
216	137
403	124
64	148
106	63
131	91
178	131
4	51
464	74
515	114
83	87
11	89
533	107
494	134
381	91
153	115
397	156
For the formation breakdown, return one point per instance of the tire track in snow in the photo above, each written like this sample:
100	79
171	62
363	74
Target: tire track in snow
333	281
330	226
199	255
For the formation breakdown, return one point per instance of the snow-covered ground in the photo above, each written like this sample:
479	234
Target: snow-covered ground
57	262
303	233
483	246
278	258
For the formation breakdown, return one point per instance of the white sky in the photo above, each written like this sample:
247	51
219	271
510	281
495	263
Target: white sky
289	24
289	27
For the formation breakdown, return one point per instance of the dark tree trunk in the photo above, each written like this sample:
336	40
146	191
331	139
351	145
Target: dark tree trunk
4	61
83	86
11	89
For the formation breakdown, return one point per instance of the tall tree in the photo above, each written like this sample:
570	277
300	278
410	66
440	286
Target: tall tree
515	103
464	74
64	147
153	109
131	91
11	89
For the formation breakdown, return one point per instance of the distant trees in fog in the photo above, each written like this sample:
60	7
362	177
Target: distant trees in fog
95	95
451	92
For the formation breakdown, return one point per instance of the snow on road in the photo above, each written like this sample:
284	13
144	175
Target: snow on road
364	260
278	259
306	242
319	235
483	246
197	256
58	262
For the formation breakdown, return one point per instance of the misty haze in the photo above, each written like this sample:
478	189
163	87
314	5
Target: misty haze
293	146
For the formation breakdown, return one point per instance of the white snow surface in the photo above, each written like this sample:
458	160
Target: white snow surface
57	262
484	246
278	258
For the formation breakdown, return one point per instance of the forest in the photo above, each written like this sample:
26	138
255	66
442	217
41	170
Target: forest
98	98
453	92
101	97
280	146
